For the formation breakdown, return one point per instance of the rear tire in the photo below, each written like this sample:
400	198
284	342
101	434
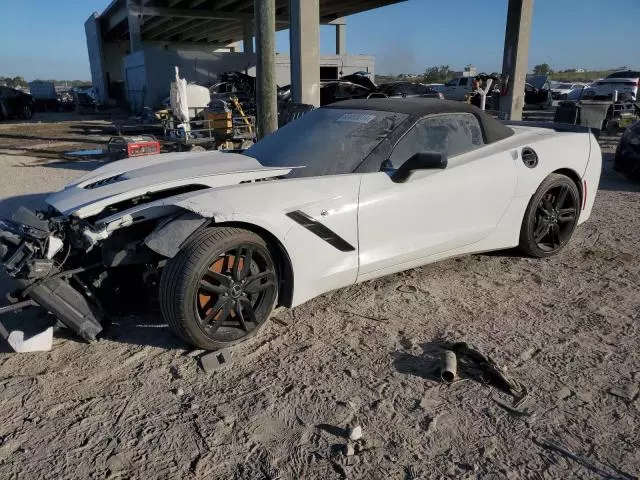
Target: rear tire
551	217
220	288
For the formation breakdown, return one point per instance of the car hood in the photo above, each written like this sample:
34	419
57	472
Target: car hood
156	174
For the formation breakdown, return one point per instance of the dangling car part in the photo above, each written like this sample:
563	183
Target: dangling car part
344	194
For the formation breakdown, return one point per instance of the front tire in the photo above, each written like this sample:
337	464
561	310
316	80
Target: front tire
551	217
220	288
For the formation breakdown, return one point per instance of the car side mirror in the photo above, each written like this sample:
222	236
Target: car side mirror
419	161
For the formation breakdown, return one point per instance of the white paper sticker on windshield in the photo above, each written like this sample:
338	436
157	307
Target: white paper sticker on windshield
356	118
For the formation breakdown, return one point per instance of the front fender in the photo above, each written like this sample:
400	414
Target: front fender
331	203
170	235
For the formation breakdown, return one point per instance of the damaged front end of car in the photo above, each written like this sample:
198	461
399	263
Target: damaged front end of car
46	257
79	270
100	246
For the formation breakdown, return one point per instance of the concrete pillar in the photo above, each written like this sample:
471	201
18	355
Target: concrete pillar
516	56
135	37
341	36
247	37
341	39
267	89
304	39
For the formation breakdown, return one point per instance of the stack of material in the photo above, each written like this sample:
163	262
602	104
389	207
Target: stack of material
219	121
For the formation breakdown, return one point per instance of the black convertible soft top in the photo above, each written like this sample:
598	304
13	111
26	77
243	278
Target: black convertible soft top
420	107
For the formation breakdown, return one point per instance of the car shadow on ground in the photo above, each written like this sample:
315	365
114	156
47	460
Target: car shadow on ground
147	329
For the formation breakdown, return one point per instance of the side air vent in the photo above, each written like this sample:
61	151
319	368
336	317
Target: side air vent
103	182
529	157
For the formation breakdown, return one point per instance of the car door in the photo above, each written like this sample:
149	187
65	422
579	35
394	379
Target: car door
401	225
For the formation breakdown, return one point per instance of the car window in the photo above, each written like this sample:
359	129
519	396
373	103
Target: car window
464	81
448	134
452	83
352	134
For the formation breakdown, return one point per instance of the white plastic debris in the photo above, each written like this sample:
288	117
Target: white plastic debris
54	246
179	102
349	450
40	342
355	433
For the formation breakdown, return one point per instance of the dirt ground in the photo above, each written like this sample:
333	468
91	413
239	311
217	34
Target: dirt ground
136	404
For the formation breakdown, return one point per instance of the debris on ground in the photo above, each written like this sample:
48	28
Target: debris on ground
483	368
449	366
215	360
349	450
355	432
586	463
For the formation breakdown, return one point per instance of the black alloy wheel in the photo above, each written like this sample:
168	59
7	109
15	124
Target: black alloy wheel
220	288
551	217
232	290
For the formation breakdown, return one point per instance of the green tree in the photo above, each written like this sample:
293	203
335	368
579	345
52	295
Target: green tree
437	74
19	82
542	69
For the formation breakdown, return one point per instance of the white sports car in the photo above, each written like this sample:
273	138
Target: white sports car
345	194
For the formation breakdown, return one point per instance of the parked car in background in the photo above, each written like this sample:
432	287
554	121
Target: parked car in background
438	87
408	89
458	88
14	103
560	91
625	74
626	85
537	92
338	90
627	159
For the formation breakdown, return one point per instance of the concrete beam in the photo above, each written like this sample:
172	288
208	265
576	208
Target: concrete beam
337	21
201	28
199	14
341	8
516	57
156	21
304	39
219	34
116	18
247	37
266	87
167	30
133	19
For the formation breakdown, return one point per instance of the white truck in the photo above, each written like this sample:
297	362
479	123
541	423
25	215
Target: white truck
458	88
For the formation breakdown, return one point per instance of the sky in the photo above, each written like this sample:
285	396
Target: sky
45	38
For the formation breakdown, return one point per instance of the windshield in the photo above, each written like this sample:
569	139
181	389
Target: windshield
564	86
326	141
